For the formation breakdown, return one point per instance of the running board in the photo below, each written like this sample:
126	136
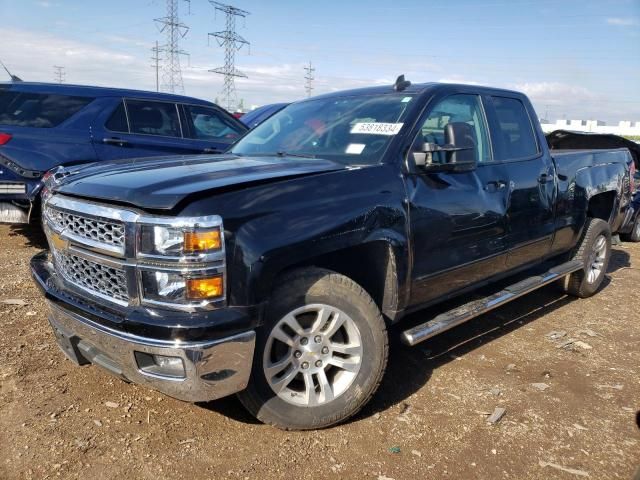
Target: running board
458	315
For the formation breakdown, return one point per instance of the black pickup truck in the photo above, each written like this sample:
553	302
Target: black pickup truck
274	271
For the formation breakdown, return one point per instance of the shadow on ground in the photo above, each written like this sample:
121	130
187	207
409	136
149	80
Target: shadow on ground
32	233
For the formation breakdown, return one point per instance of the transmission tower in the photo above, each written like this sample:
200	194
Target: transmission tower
232	42
309	78
59	74
174	31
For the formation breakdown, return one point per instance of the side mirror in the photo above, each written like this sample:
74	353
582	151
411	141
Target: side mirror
459	148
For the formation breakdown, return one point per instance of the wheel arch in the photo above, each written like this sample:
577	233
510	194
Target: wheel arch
377	265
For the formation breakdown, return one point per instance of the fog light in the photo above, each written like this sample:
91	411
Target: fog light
204	288
161	365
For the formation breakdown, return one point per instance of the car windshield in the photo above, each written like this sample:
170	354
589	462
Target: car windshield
350	130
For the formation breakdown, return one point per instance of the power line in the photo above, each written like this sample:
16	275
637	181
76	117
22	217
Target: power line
232	42
59	74
309	78
174	30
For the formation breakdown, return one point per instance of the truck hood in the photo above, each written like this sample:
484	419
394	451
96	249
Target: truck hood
160	183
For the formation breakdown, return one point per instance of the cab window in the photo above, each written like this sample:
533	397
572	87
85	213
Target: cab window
209	124
461	108
153	118
515	135
117	122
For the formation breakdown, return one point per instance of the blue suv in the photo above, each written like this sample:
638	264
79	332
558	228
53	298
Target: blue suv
46	125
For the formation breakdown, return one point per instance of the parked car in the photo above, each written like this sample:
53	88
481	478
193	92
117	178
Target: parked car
45	125
275	270
256	116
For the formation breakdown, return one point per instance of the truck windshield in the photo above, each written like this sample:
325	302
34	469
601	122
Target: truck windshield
350	130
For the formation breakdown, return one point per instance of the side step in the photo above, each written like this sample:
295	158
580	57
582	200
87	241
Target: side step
458	315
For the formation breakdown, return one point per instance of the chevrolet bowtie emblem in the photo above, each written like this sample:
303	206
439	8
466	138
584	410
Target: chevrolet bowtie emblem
58	242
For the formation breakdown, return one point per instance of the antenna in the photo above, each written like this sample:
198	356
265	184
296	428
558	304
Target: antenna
174	31
309	78
59	73
231	42
14	78
401	84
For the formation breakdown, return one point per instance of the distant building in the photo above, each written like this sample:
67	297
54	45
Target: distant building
624	128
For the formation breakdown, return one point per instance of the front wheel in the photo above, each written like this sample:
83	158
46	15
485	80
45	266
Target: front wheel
595	252
320	355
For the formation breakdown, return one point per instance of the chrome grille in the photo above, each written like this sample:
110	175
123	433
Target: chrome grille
101	279
102	231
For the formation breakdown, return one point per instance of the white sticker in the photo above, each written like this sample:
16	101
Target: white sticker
377	128
406	99
355	148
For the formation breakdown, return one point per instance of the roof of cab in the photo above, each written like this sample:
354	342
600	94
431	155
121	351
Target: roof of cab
417	89
93	91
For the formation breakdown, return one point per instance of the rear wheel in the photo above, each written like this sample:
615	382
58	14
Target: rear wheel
595	252
321	354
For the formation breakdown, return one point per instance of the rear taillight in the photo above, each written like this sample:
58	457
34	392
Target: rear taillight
4	138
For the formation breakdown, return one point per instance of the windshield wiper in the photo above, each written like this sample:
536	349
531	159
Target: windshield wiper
280	154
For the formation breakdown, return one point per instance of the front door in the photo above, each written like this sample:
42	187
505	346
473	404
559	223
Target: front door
458	220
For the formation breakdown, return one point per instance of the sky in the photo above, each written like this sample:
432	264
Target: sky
576	59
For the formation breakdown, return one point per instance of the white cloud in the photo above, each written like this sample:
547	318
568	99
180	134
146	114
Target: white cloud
46	4
458	79
554	92
623	22
123	61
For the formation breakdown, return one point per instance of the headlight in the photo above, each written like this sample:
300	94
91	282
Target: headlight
179	242
181	261
175	287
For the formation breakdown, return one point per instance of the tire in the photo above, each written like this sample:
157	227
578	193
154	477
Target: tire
595	252
634	235
316	298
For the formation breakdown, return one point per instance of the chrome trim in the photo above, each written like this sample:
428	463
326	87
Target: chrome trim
128	257
214	368
475	308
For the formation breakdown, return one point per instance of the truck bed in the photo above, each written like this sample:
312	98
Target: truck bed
568	162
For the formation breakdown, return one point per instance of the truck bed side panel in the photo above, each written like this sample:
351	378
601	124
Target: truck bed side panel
581	175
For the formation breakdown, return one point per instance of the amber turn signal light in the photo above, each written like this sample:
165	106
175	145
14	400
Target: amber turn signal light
205	288
202	240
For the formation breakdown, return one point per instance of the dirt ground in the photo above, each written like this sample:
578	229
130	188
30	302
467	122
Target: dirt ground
570	405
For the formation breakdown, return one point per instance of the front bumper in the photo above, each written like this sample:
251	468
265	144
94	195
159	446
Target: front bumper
217	361
212	369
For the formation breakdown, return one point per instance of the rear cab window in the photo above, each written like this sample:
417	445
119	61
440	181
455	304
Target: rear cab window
38	110
207	123
152	118
513	133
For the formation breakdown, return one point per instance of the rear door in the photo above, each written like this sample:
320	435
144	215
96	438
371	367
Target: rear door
141	128
531	187
458	219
